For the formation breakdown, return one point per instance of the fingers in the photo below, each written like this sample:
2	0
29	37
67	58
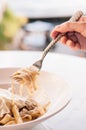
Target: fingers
69	43
73	46
72	41
82	19
59	29
77	46
69	27
54	33
63	40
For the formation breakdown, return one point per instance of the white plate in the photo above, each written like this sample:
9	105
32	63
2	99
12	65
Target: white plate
56	88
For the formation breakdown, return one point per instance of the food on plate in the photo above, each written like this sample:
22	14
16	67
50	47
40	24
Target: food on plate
15	108
26	77
19	111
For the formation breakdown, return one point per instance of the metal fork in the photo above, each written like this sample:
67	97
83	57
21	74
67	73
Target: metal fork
38	64
22	73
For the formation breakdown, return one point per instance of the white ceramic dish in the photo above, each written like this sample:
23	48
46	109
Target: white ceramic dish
57	90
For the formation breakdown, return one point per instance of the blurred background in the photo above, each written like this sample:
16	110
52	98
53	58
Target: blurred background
26	24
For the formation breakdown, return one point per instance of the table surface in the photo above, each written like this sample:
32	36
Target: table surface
72	69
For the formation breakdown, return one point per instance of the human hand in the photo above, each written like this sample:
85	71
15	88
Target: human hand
75	36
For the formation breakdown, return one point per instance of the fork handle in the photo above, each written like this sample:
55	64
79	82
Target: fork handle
74	18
